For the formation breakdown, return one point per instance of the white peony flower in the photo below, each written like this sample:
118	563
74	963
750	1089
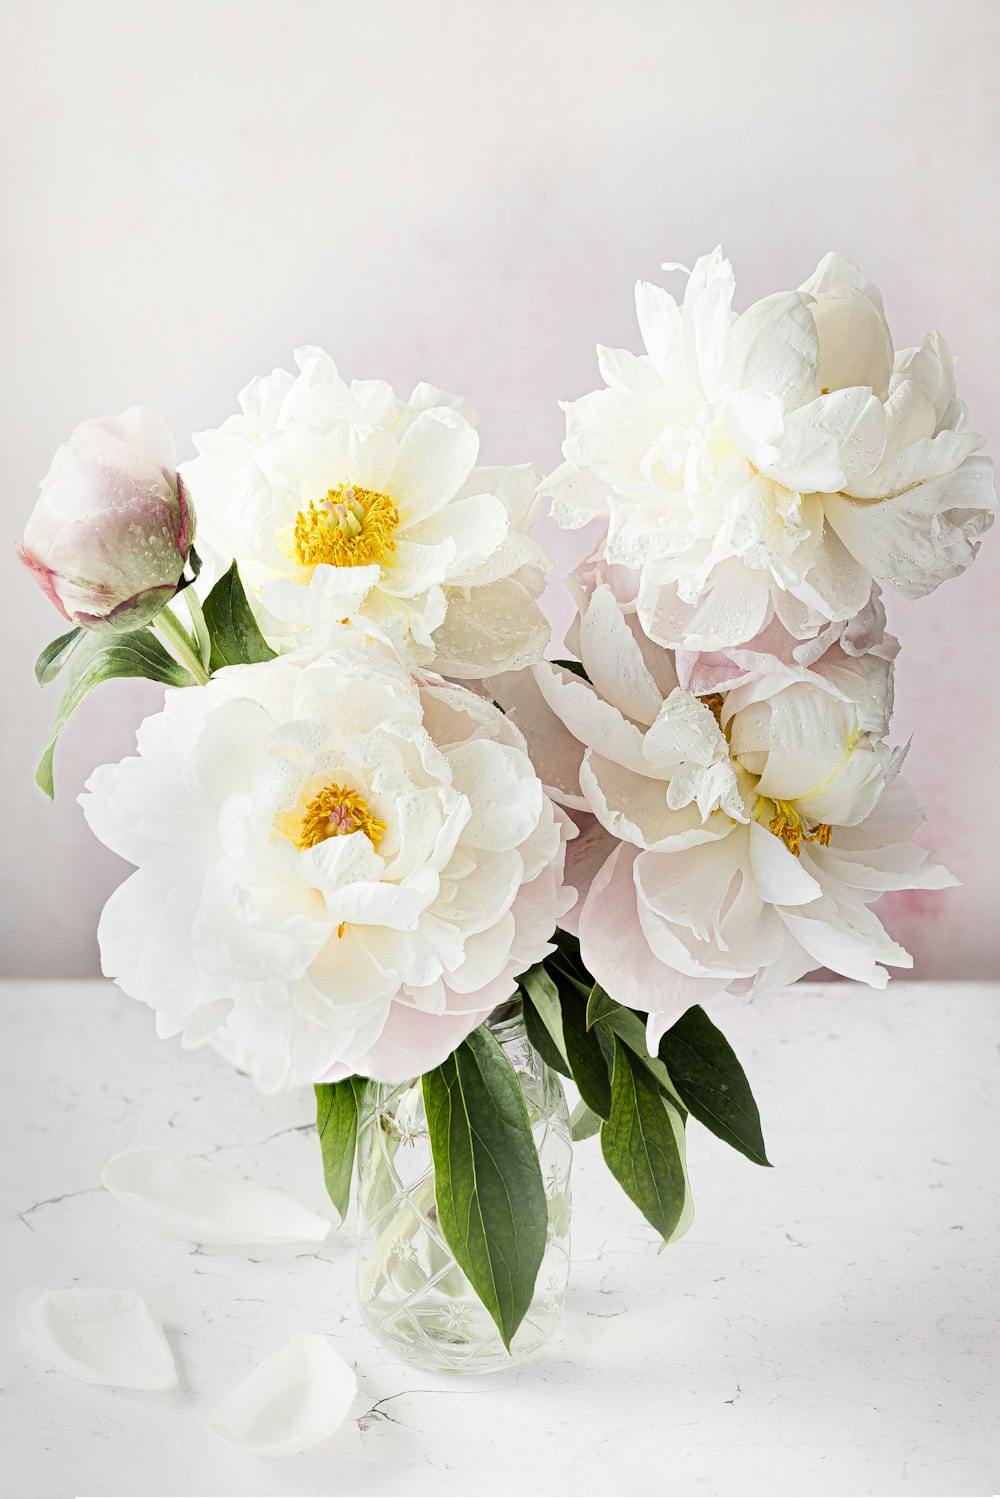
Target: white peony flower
344	501
773	463
733	831
341	866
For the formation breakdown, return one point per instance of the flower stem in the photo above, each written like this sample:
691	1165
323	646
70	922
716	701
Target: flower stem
181	644
199	629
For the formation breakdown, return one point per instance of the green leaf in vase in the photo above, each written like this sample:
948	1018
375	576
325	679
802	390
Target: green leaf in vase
543	1018
589	1053
643	1145
488	1182
584	1122
338	1106
629	1026
707	1075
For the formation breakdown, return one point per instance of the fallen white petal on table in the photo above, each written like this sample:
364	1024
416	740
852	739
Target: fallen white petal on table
195	1200
101	1337
292	1401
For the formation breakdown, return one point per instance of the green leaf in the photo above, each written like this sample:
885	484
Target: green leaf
133	653
567	966
705	1071
576	667
588	1061
584	1122
588	1052
630	1027
338	1107
541	1040
643	1145
55	655
236	638
488	1182
543	1018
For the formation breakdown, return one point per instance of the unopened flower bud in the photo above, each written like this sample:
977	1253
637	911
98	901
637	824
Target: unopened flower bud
110	535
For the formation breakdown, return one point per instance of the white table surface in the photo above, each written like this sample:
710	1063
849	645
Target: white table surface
828	1327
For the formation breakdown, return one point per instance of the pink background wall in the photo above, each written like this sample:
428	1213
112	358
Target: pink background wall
466	193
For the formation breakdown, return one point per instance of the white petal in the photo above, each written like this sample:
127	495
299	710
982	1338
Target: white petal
685	729
850	939
332	593
635	808
413	566
777	873
774	349
294	1400
476	526
689	888
855	346
917	539
932	368
554	751
836	587
830	442
834	273
659	322
503	791
435	457
398	906
617	952
627	372
195	1200
733	608
708	318
425	396
576	498
597	724
492	629
101	1337
613	660
817	754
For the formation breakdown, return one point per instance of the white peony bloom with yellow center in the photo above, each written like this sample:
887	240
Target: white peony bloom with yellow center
773	464
342	866
735	829
345	502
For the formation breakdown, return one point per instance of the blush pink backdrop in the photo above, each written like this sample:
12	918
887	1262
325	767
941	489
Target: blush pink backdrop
467	193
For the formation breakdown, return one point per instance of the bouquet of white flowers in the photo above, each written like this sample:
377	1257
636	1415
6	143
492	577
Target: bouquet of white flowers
383	848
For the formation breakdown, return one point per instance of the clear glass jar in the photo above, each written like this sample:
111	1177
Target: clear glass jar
413	1295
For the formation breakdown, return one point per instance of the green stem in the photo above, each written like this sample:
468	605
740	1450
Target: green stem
199	628
181	644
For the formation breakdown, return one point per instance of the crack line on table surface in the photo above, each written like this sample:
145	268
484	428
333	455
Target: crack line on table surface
289	1129
48	1202
403	1395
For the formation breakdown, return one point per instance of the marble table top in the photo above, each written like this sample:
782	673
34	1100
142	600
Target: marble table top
827	1327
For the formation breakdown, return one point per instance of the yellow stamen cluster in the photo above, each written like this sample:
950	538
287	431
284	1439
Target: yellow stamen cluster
335	812
351	527
714	701
787	825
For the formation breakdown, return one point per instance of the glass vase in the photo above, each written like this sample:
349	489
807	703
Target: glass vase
413	1295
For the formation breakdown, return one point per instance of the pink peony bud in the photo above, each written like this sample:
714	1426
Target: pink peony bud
112	529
